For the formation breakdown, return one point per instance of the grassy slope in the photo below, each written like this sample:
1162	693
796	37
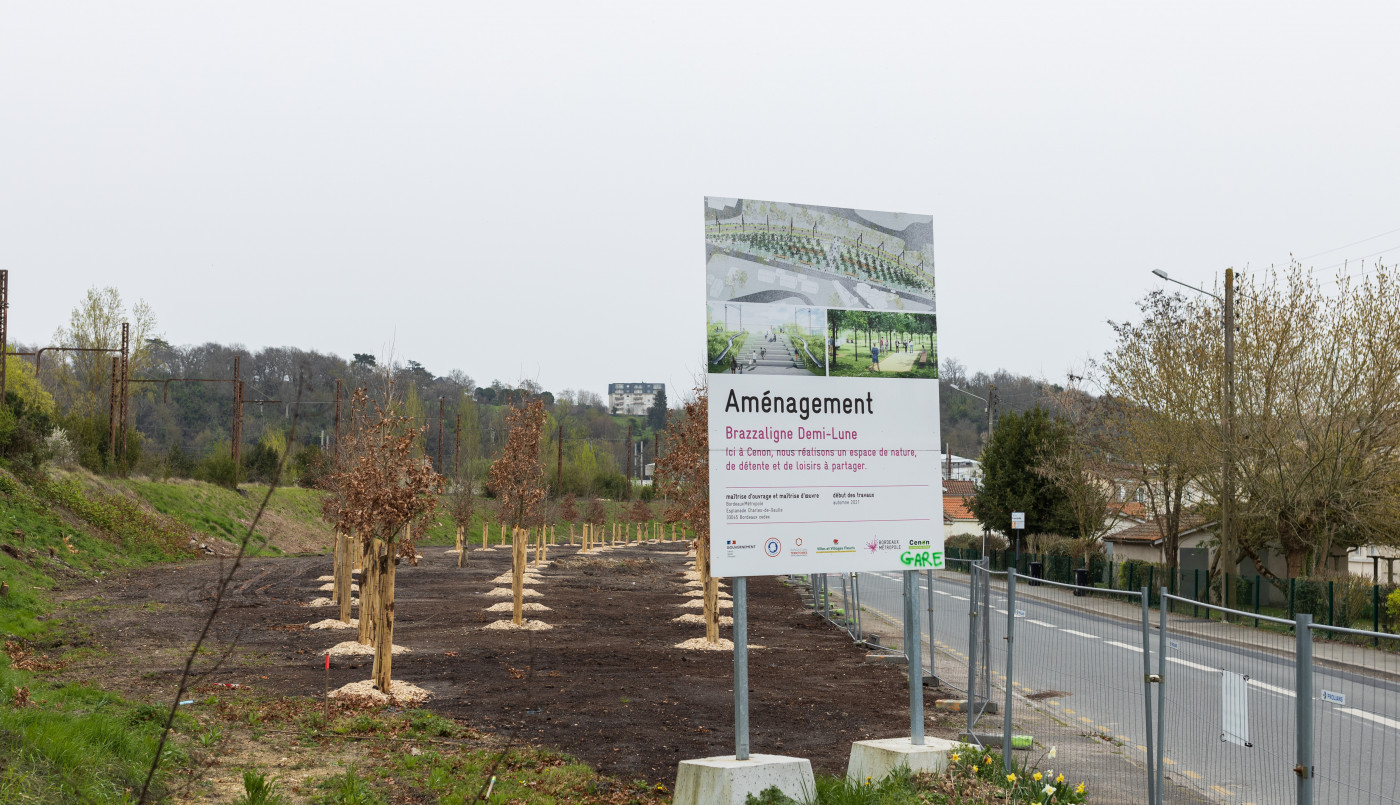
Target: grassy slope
68	742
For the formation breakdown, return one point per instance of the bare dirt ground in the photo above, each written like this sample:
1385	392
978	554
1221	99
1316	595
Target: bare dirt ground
605	684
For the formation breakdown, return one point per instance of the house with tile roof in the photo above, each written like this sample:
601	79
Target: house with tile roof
958	519
1143	540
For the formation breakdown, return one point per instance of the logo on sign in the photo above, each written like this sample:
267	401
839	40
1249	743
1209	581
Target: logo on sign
1334	698
772	547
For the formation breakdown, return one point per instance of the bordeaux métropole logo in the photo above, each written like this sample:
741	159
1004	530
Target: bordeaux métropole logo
772	546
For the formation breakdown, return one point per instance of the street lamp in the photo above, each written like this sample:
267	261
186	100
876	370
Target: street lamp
991	403
1228	549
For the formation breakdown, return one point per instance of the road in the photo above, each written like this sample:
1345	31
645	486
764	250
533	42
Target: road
1085	671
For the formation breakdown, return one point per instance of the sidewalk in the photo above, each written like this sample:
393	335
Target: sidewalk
1113	604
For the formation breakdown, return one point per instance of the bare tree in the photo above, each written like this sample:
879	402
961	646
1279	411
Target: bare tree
683	476
517	478
387	490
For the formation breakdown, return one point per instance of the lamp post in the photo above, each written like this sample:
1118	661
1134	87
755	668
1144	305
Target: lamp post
1228	549
990	400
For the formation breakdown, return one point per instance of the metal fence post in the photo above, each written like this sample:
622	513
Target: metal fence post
1161	688
1010	654
915	655
845	605
1304	701
738	589
972	615
928	582
856	594
1147	699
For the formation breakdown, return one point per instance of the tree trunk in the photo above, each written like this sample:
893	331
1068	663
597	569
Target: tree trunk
517	577
344	577
384	615
711	588
461	548
369	593
337	559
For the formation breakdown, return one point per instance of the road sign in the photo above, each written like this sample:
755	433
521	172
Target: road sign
1018	520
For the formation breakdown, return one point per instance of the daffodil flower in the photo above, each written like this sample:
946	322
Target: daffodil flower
1060	780
1048	791
1079	789
955	757
1052	753
1010	778
986	758
1036	777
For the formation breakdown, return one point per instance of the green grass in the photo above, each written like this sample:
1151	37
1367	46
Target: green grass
62	743
223	513
74	743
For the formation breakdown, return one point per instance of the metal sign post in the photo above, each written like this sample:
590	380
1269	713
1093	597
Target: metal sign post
739	591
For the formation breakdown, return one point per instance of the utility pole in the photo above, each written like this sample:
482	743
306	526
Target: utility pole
629	458
236	431
991	409
336	454
112	406
1228	550
442	412
4	327
126	374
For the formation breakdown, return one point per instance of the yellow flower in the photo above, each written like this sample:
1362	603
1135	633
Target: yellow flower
986	758
1060	780
1036	777
955	757
1010	778
867	781
1080	789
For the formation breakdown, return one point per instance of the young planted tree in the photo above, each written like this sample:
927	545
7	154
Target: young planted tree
517	478
333	482
461	506
683	475
387	491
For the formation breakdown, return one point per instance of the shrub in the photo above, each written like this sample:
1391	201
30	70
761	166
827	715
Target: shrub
218	468
61	450
1392	608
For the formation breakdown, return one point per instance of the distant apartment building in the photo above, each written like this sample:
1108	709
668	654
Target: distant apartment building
632	399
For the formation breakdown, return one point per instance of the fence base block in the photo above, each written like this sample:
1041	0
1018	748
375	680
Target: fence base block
726	781
876	759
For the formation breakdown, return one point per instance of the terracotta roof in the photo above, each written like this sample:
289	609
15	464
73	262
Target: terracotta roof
1148	532
961	488
1131	508
955	508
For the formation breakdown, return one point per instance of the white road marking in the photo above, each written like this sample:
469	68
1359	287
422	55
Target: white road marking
1195	665
1042	623
1127	646
940	592
1389	722
1079	634
1273	688
960	598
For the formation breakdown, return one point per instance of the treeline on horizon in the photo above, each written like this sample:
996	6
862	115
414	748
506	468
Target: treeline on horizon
183	429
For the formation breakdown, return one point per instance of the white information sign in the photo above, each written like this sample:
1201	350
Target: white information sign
1018	520
823	392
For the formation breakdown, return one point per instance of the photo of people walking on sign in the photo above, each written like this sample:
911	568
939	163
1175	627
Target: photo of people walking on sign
774	252
765	339
867	343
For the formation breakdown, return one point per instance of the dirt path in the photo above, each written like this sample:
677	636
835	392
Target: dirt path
605	684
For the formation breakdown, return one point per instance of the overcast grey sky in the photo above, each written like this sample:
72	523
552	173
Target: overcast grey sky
516	189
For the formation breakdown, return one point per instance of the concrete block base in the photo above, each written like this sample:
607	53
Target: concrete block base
726	781
876	759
